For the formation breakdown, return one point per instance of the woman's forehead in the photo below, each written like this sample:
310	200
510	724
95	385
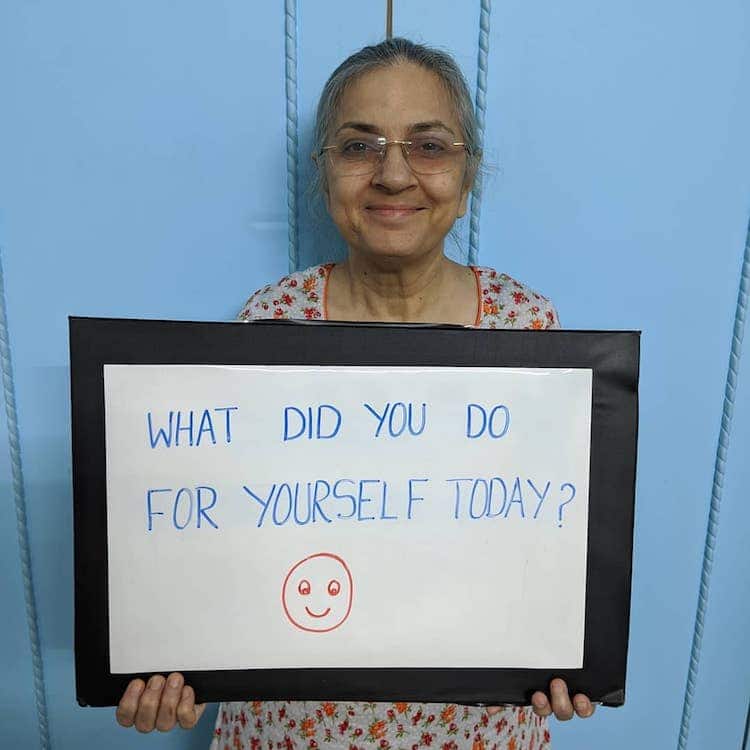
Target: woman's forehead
397	96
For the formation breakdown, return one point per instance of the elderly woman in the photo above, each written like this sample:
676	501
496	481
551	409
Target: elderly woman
397	153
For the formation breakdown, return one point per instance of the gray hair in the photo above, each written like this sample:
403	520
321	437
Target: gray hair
392	52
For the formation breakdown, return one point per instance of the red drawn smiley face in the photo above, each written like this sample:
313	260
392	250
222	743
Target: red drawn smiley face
317	593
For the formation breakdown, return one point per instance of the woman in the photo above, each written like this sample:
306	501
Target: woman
397	153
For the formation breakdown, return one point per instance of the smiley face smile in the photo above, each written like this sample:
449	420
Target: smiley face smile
312	614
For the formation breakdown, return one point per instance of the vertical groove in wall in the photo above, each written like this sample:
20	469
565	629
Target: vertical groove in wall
292	131
716	492
19	498
481	109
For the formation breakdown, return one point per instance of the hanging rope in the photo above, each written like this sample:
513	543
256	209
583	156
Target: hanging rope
19	497
716	493
481	108
292	132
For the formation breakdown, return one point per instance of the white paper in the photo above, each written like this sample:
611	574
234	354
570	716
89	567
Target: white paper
402	583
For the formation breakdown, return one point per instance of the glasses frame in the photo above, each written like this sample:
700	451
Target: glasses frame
383	143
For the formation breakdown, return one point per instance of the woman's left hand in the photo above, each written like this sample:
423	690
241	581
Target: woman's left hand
558	703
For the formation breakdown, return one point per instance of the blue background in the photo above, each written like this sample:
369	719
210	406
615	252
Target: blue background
143	173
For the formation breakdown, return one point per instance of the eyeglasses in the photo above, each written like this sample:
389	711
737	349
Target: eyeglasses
425	154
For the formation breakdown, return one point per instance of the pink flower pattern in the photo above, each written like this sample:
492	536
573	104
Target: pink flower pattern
305	725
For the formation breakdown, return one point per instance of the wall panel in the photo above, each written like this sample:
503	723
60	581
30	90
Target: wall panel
143	175
722	689
18	717
621	192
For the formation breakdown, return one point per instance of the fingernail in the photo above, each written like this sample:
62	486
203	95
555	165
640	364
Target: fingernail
540	702
174	681
156	682
136	687
580	704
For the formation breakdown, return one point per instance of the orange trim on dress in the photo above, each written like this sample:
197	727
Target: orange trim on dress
478	320
328	267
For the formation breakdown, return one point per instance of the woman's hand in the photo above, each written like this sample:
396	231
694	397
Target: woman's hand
560	703
160	704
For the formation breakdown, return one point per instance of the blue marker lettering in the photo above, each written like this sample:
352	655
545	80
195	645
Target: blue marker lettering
362	499
150	513
288	489
383	506
412	497
161	433
396	431
317	499
505	497
227	421
263	505
486	504
335	430
541	496
180	494
458	494
341	496
377	416
203	508
301	414
469	410
516	497
206	425
183	428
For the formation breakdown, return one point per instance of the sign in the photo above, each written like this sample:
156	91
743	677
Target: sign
268	522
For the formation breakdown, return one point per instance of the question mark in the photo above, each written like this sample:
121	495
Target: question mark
562	505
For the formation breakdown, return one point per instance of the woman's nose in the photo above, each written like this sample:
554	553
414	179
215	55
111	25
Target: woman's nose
393	171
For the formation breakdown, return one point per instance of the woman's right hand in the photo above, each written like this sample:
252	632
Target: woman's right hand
159	704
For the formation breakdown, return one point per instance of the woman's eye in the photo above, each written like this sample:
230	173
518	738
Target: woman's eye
304	587
431	146
334	587
355	147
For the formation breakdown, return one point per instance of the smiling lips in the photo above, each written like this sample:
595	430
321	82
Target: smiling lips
312	614
395	211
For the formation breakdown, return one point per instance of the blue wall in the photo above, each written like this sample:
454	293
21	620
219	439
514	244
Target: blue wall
143	172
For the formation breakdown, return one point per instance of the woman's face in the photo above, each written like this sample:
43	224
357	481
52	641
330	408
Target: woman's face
394	212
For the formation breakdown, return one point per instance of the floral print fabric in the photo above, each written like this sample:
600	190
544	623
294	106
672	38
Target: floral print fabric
503	302
303	725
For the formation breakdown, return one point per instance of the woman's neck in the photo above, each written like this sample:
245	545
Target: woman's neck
431	289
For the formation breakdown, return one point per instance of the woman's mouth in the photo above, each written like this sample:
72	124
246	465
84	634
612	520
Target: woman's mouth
394	212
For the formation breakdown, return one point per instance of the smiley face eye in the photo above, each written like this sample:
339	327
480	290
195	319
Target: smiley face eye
334	587
304	587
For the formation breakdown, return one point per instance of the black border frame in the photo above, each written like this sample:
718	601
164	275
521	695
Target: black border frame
612	355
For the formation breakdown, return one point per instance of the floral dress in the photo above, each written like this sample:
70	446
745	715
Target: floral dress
502	302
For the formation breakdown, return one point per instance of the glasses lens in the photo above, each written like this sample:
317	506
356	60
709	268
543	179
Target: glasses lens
353	156
430	154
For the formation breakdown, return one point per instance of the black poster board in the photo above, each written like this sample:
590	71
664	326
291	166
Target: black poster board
612	356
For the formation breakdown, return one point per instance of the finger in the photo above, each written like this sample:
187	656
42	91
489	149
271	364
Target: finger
145	718
128	705
561	705
492	710
166	717
540	704
188	712
583	706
